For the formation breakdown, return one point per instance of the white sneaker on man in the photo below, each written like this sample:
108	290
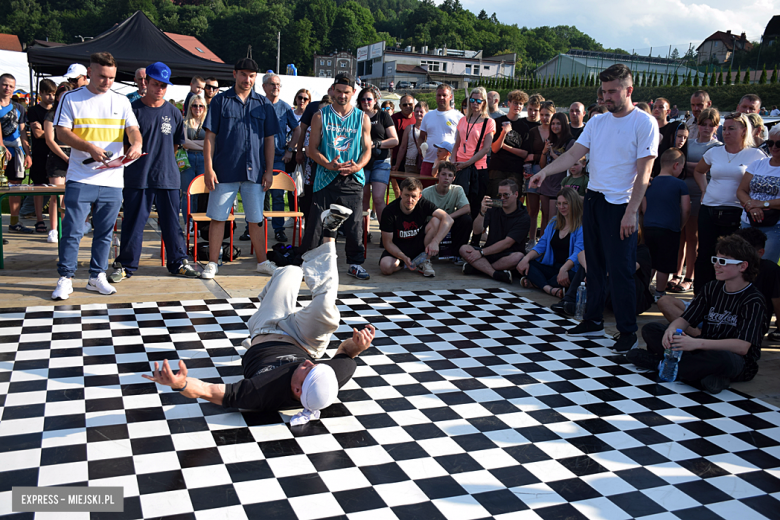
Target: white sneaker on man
426	268
267	267
63	290
53	237
100	284
210	271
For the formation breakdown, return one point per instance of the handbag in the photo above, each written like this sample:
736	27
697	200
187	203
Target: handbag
771	216
182	159
726	216
298	179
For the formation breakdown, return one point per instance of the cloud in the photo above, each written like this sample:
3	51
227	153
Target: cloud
640	25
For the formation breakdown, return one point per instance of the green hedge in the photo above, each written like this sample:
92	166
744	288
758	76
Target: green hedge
725	97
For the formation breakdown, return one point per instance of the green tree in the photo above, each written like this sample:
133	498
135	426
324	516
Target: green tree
729	74
688	80
655	79
696	79
738	77
746	77
762	78
773	79
676	78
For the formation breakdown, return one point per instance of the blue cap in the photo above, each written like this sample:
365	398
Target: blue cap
446	145
159	71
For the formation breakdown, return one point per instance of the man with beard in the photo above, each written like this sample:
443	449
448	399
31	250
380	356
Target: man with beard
699	101
619	173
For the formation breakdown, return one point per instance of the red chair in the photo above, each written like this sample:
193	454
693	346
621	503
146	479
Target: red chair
283	181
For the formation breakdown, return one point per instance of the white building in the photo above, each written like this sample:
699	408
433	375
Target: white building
381	65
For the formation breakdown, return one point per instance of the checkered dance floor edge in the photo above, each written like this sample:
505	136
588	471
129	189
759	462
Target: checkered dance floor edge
471	404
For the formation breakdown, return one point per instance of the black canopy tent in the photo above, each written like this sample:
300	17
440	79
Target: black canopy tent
134	43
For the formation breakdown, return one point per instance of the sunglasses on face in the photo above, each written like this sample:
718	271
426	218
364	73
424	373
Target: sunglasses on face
388	109
302	98
407	104
366	100
477	101
504	195
770	144
210	87
725	261
198	107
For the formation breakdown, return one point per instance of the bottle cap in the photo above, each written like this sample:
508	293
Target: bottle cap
678	331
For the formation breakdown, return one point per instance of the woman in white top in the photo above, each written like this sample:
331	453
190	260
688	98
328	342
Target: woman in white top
408	152
194	134
759	194
721	210
302	100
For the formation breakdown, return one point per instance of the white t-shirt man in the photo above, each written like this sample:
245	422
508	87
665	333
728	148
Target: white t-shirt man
440	127
615	144
775	112
100	119
726	172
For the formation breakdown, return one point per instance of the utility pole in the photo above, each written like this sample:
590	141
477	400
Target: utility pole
278	51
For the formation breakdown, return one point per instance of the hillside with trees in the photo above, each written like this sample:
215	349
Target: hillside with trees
228	27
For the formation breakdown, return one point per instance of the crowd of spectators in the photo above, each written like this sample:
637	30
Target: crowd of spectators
626	192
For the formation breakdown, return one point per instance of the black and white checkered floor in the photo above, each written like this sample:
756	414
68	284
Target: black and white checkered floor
472	404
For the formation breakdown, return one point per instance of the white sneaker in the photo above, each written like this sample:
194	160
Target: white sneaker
100	284
267	267
63	289
53	237
426	268
210	271
289	222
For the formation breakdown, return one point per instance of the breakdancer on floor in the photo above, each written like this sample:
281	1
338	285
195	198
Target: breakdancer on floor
280	371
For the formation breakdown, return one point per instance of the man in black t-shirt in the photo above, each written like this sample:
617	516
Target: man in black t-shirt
407	231
40	150
279	365
507	226
733	317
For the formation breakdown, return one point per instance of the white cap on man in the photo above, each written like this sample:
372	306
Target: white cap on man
76	70
320	388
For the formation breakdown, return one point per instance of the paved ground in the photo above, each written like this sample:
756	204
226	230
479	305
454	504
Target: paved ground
30	275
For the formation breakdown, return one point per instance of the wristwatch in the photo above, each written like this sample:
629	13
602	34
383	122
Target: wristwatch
766	204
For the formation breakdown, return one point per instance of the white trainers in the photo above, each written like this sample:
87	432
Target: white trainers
100	284
426	268
335	216
63	289
53	237
289	222
267	267
210	271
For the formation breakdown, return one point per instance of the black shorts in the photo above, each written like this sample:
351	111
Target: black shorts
38	170
10	170
56	167
663	245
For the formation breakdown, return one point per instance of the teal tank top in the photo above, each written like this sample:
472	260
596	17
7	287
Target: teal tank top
341	136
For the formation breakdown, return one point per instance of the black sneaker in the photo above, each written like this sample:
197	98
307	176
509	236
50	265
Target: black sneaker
715	384
502	276
586	329
642	358
333	217
245	236
564	308
468	269
185	270
624	342
280	236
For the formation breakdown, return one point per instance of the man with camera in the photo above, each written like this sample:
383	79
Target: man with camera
508	224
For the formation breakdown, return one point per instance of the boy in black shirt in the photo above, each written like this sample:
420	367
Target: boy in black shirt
406	231
279	368
732	313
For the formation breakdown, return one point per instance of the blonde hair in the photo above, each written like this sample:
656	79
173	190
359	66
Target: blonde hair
298	93
575	210
192	121
747	140
483	107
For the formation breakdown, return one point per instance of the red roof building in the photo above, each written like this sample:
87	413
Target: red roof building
720	46
10	42
194	45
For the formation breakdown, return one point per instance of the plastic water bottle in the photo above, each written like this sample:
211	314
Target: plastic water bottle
219	260
582	300
667	368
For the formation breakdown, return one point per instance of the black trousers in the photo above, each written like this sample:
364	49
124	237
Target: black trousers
709	232
348	192
461	231
694	365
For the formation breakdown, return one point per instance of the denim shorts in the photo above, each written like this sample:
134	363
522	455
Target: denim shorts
379	172
221	200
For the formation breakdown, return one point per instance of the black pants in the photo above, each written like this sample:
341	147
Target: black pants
476	196
710	229
461	231
348	192
607	253
694	365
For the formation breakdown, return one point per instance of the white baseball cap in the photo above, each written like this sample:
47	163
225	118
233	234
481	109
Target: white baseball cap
76	70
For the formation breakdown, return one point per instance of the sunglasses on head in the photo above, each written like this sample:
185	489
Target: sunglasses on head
477	101
725	261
